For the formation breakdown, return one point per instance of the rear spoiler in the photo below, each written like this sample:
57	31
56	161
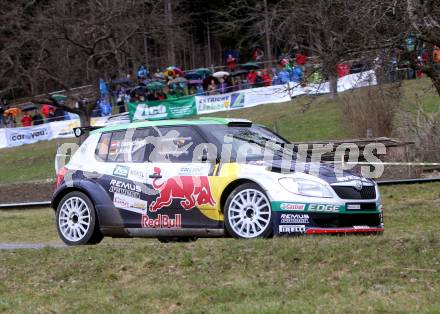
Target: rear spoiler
81	130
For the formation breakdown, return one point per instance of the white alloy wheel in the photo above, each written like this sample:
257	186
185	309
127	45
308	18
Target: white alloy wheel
74	219
248	213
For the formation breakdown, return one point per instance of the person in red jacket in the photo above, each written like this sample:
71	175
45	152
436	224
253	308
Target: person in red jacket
267	80
342	69
26	120
251	77
301	59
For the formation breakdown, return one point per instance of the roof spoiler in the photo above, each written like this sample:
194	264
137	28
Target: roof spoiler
81	130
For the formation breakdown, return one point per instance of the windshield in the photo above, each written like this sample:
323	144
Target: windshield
244	144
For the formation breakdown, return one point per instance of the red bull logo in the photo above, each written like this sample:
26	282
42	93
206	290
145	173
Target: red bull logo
162	221
193	190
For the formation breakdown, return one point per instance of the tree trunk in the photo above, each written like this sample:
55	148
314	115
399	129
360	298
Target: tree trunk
333	81
267	32
171	44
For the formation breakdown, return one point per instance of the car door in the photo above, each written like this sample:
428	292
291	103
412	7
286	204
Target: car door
122	173
180	175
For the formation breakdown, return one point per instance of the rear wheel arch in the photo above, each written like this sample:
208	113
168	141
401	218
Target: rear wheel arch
56	201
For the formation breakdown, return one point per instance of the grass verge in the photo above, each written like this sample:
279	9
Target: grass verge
397	272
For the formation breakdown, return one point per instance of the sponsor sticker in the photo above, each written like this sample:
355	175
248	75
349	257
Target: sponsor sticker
121	171
125	188
292	229
327	208
130	203
162	221
294	219
361	227
292	206
353	206
137	174
191	190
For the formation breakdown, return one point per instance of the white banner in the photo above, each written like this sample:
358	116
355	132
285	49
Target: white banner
21	136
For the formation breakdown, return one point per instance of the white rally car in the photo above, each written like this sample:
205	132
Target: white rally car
213	177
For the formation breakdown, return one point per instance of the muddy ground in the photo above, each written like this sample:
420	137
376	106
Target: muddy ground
26	192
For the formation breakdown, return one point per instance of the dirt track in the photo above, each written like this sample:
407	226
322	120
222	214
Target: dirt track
26	192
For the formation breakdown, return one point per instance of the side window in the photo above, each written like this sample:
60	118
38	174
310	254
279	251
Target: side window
141	146
175	144
102	148
118	147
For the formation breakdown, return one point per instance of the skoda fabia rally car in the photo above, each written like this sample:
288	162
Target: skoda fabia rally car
184	179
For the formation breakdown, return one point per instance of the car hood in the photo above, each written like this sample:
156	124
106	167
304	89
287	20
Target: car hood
321	170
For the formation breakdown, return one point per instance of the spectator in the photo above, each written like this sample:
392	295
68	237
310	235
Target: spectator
51	114
121	103
243	83
267	80
199	90
300	59
222	86
342	69
26	120
296	75
258	55
37	118
58	114
258	80
436	58
231	63
251	77
212	88
10	121
284	76
3	106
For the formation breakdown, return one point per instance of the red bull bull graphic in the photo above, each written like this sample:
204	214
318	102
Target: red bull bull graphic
193	190
162	221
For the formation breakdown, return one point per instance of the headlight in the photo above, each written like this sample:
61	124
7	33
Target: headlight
305	187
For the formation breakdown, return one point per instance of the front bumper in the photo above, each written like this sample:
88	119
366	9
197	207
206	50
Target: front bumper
294	219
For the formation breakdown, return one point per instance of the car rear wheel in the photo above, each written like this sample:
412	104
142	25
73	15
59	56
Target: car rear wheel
76	220
248	213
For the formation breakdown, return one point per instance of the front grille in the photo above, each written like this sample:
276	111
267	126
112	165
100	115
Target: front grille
350	193
346	220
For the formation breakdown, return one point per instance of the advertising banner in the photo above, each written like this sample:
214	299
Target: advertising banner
173	108
21	136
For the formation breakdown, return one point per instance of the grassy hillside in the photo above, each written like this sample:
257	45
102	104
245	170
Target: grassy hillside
398	272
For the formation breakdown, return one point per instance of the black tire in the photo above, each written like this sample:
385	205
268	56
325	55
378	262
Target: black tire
251	216
92	234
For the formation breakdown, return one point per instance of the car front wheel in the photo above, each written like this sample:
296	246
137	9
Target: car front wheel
76	220
248	213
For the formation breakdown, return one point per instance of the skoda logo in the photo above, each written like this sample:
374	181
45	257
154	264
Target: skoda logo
358	185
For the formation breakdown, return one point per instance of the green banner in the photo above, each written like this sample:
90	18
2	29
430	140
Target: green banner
172	108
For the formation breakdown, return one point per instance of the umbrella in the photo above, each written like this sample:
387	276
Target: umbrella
140	90
220	74
203	71
193	75
238	72
29	107
155	85
178	80
12	111
59	98
250	66
195	82
172	71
